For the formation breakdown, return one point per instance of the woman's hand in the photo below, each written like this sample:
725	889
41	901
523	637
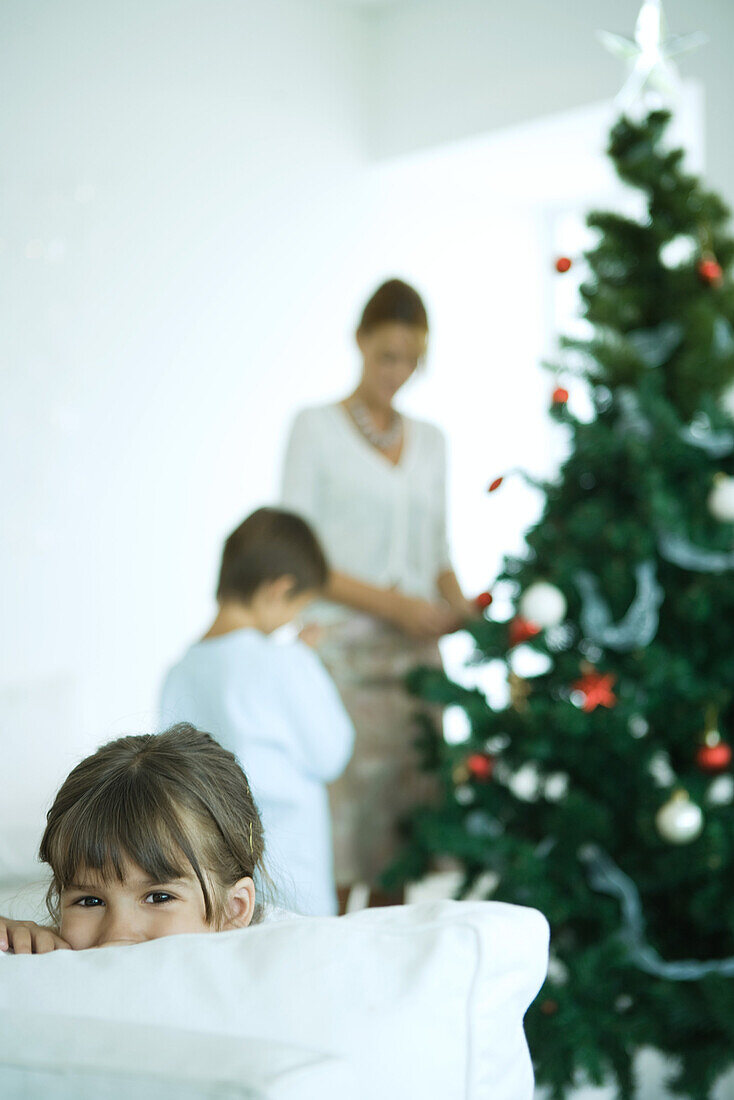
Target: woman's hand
422	618
464	610
25	937
311	635
467	610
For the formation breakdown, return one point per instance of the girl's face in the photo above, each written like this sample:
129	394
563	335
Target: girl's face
391	353
98	914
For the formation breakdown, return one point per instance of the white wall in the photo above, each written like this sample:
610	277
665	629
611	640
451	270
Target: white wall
444	71
176	264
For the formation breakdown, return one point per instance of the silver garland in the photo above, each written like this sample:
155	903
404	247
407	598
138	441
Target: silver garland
605	877
654	346
722	339
679	551
631	420
699	433
639	625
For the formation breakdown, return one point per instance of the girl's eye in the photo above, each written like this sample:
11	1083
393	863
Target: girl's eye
82	902
160	898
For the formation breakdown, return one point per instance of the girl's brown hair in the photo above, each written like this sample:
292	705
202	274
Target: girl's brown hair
170	802
391	302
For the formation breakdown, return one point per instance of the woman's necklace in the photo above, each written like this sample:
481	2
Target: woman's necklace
384	441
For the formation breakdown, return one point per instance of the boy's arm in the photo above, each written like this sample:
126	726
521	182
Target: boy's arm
25	937
316	714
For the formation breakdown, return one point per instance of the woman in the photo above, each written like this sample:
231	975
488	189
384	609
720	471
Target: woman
372	482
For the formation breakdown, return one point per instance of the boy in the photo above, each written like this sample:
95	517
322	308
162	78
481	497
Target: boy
271	703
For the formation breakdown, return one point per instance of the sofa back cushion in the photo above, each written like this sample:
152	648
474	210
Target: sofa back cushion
418	1000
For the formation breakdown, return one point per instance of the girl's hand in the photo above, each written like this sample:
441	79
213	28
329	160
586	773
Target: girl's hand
25	937
422	618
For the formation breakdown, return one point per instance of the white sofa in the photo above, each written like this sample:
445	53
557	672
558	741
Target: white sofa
422	1000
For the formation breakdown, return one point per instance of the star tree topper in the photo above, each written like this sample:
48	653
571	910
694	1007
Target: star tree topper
649	54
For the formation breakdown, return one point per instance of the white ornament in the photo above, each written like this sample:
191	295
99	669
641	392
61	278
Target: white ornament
721	499
557	970
527	662
660	769
590	651
680	250
481	824
679	821
464	795
556	787
543	604
721	791
456	726
560	637
525	783
496	744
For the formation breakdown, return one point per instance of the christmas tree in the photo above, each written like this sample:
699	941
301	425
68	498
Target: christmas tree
601	793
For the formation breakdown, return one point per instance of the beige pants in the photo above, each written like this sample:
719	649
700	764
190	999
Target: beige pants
383	780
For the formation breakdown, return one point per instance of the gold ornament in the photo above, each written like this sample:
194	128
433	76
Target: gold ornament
711	735
460	774
519	691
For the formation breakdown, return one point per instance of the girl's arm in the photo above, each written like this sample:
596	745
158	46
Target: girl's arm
25	937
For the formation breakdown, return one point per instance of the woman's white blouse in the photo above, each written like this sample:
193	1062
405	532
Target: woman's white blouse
380	523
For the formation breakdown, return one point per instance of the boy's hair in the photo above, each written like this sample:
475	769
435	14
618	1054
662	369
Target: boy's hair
270	544
170	802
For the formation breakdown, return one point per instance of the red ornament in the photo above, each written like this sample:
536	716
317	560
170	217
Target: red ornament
714	756
710	272
495	484
563	264
522	630
549	1007
483	600
596	687
560	396
480	766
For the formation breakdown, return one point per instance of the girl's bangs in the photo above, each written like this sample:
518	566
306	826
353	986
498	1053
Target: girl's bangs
115	826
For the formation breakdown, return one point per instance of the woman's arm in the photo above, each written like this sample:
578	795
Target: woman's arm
300	478
446	581
416	617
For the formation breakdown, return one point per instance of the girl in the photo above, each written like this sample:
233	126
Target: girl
154	835
372	482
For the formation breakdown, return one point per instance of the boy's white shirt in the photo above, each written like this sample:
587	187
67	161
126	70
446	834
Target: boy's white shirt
274	705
